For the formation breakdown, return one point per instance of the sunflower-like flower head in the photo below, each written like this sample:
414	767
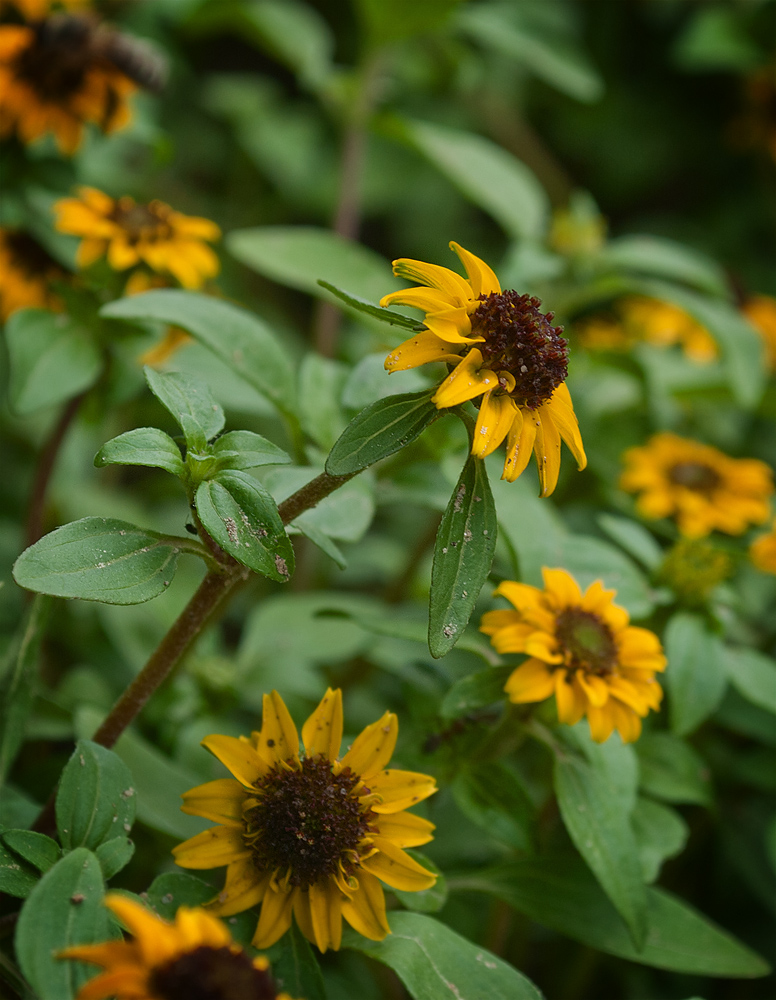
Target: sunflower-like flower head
59	72
130	234
760	310
504	350
762	551
313	834
698	485
194	957
26	273
582	649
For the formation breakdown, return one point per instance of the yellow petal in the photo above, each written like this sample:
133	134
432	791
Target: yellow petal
627	722
245	887
373	748
426	299
220	845
219	800
520	442
400	789
494	621
497	413
562	588
596	688
481	277
194	226
197	927
397	869
322	733
419	350
154	938
442	278
90	250
547	451
129	982
521	595
239	756
564	418
121	255
531	681
601	722
570	701
405	829
278	739
105	955
365	912
326	915
275	918
469	379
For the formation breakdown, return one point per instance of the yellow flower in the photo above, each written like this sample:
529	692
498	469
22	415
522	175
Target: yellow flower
54	78
761	313
36	10
194	956
603	333
26	273
663	324
129	234
314	834
581	649
693	568
762	551
173	338
701	487
504	350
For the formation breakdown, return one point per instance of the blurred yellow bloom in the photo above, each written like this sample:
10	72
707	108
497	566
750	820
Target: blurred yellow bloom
311	835
700	487
193	957
760	310
762	551
500	347
26	273
129	233
582	650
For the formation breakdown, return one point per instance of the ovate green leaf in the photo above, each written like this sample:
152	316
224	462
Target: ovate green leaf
246	450
752	675
190	402
695	675
35	848
96	798
672	770
17	683
493	798
142	446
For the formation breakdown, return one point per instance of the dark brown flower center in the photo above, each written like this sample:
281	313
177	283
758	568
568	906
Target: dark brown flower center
29	256
142	221
308	822
586	640
694	476
521	339
56	62
211	974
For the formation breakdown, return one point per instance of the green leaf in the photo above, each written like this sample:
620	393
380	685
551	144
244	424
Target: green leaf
246	450
237	337
660	833
653	255
381	430
95	800
17	878
190	403
38	850
561	893
300	256
475	691
593	815
384	24
345	515
370	309
695	675
243	518
493	797
142	446
435	963
64	909
172	890
463	553
752	675
295	968
98	559
114	855
324	543
634	538
427	900
52	358
321	381
486	174
17	684
672	770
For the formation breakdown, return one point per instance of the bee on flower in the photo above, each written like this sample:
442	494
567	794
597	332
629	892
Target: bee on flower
310	835
194	956
582	649
503	352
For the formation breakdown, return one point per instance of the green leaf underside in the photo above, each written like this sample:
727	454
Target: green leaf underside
17	877
435	963
247	450
38	850
243	518
17	688
561	893
65	908
593	814
142	446
463	554
98	559
695	676
239	338
370	309
381	430
189	401
324	543
96	799
52	358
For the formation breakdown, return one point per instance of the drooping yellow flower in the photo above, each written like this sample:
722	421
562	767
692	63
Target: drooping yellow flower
699	486
193	957
26	273
760	310
313	834
582	650
762	551
504	350
54	78
129	234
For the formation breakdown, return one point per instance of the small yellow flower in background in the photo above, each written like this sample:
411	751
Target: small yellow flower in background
193	957
310	835
36	10
581	649
575	233
130	234
761	313
26	273
54	78
504	350
699	486
762	551
693	568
